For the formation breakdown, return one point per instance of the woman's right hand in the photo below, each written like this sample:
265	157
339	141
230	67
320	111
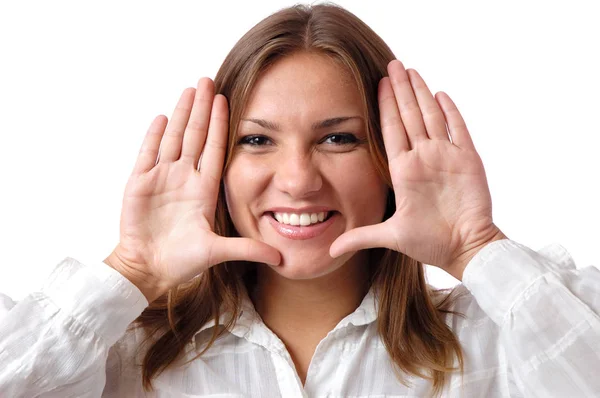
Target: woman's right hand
167	222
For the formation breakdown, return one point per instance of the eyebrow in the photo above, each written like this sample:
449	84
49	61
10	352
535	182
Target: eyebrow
315	126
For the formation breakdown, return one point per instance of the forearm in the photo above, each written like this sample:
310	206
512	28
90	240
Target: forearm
548	312
58	339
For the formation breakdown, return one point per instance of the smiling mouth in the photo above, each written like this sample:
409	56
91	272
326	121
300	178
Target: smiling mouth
303	219
301	232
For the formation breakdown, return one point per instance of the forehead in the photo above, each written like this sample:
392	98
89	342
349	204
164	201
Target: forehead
304	84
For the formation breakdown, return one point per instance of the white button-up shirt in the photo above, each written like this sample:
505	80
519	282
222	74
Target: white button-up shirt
532	328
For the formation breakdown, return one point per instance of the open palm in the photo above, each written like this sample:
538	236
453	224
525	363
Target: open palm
443	203
167	221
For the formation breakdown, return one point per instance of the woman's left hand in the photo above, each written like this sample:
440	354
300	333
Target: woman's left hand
443	204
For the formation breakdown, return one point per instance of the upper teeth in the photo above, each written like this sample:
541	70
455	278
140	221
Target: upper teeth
300	219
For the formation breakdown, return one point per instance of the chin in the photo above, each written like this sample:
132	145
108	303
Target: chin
299	267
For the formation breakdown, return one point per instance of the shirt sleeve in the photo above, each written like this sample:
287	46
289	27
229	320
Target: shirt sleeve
55	342
548	312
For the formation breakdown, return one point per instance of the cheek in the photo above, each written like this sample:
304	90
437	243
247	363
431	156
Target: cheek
243	183
364	190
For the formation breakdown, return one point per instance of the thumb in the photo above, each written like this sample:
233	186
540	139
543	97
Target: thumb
244	249
367	237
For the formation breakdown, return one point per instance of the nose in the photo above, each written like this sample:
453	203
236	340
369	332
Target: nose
298	175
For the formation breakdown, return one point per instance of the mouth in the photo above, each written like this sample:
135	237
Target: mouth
301	219
301	226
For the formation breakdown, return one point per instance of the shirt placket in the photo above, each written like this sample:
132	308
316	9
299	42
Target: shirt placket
257	332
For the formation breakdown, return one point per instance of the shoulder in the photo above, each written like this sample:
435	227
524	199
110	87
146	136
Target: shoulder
478	335
462	313
124	364
6	303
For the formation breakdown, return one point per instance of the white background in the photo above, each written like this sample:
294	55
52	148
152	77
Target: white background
80	82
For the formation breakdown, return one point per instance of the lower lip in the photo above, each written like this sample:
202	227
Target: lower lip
301	232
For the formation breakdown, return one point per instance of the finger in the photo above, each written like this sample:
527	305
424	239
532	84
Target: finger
392	129
407	103
244	249
213	155
456	124
433	117
370	236
197	126
170	147
149	151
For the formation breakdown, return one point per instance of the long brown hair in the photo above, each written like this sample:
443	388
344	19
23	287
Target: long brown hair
409	320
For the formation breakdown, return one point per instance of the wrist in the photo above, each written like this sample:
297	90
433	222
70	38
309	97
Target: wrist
148	285
457	268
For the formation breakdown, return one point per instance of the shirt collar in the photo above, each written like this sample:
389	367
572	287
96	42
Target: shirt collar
248	318
365	313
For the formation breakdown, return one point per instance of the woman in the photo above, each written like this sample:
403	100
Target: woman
272	243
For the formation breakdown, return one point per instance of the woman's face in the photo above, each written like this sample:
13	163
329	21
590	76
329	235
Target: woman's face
297	163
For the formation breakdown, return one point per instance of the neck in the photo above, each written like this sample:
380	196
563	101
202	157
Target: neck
313	307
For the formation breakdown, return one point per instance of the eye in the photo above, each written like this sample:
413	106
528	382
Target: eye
341	139
254	140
